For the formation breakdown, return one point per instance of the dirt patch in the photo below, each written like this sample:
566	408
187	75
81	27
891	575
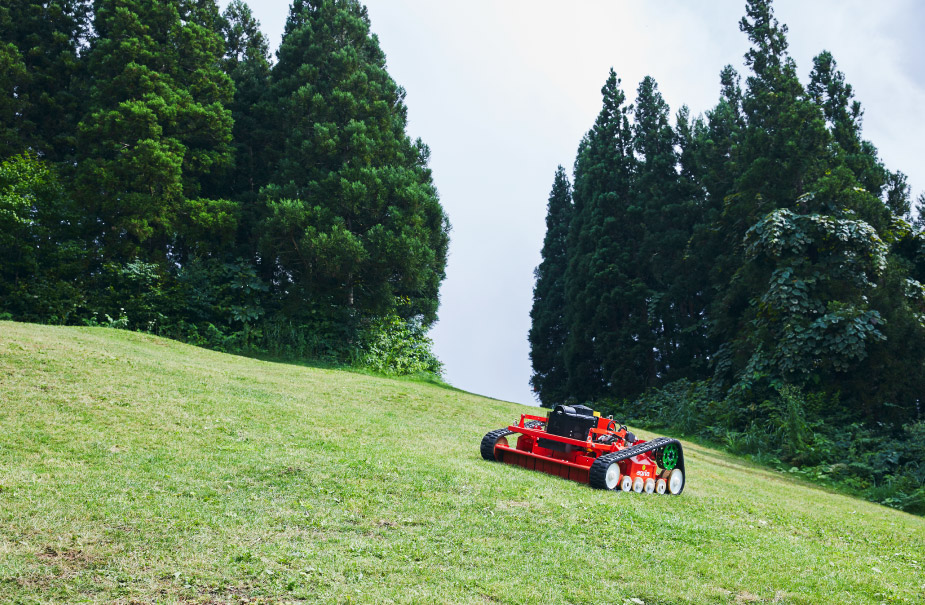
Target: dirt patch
67	556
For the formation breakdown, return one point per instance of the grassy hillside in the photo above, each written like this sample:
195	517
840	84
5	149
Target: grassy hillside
136	469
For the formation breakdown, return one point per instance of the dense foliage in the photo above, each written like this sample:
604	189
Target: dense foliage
753	276
158	172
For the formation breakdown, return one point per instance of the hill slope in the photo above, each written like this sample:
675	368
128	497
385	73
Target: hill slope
138	469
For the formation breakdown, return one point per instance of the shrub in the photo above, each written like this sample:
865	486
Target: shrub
396	346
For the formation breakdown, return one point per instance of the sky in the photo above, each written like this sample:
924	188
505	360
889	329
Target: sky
503	90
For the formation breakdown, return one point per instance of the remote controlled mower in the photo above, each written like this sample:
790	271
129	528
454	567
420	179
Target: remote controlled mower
574	442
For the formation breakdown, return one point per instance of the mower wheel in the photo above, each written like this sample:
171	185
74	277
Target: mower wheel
667	457
649	486
627	483
638	485
604	473
675	482
490	440
661	486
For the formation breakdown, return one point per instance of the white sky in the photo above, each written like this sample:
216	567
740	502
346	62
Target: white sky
503	90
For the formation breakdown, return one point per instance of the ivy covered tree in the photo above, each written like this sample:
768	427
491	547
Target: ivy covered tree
353	224
759	266
783	149
548	332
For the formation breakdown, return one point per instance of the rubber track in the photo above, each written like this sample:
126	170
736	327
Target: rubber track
489	441
599	468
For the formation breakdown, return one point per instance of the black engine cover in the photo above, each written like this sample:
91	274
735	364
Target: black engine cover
569	421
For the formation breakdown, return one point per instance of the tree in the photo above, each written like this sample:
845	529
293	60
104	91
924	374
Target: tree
354	226
814	318
690	291
548	330
919	219
40	48
605	308
656	193
783	149
843	114
12	75
44	262
156	126
247	63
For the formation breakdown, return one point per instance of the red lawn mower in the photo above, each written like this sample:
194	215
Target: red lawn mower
575	443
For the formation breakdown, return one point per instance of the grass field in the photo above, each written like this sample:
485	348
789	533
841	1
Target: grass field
136	469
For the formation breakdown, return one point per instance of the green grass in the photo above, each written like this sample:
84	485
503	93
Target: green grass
136	469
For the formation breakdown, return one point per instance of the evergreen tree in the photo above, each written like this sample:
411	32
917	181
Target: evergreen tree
156	127
785	140
827	87
815	297
719	143
605	307
12	76
843	113
918	220
548	329
354	225
247	62
782	150
898	194
690	290
39	50
656	193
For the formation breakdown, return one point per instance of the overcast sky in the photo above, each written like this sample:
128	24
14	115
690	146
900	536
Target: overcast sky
503	90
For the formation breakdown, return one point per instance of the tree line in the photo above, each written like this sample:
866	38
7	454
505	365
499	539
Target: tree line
159	172
753	275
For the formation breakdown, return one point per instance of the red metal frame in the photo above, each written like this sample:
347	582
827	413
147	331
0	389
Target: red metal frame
575	463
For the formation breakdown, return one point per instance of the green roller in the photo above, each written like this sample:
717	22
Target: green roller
668	456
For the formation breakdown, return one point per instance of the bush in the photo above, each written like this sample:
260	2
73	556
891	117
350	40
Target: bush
396	346
781	425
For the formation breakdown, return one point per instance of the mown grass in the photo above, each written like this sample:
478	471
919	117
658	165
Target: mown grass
136	469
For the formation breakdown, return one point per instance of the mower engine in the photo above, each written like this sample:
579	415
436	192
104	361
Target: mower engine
576	443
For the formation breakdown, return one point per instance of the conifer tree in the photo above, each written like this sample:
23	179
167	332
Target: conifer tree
354	225
918	220
604	304
843	114
783	148
813	297
39	51
156	127
12	76
548	329
690	290
785	140
719	143
247	62
666	229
